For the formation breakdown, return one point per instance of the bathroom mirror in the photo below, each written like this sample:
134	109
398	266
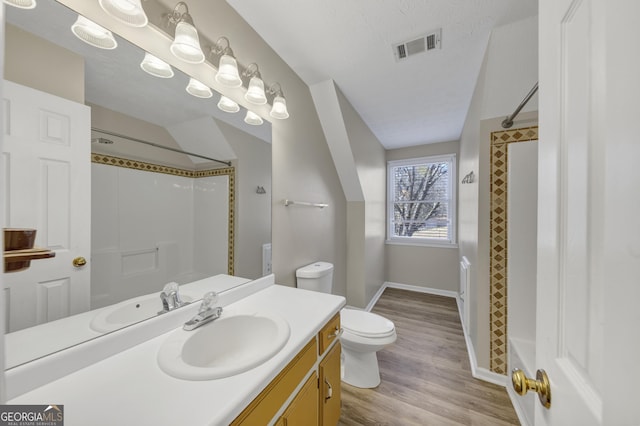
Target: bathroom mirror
184	196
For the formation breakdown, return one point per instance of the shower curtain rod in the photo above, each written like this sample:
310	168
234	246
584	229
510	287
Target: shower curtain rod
508	122
106	132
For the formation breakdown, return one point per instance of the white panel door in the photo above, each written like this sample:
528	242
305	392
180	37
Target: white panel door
47	166
588	209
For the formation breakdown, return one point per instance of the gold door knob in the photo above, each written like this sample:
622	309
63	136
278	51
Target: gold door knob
79	261
522	384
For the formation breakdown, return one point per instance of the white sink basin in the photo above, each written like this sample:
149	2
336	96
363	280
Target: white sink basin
129	312
225	347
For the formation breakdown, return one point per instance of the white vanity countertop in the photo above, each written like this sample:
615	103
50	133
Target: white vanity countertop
130	389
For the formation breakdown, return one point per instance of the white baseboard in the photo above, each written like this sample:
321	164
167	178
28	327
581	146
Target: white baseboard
479	372
416	288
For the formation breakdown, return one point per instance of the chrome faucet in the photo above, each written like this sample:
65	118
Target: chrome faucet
170	298
206	313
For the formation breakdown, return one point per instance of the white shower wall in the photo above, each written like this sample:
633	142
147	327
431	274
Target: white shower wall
211	211
152	228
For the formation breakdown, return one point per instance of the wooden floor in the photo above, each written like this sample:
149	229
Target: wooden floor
426	377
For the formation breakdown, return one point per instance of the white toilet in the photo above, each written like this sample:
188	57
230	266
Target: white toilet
363	333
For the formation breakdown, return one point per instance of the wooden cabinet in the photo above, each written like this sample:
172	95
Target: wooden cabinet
318	400
265	406
303	410
329	333
330	387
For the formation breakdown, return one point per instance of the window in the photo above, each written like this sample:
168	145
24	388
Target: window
421	200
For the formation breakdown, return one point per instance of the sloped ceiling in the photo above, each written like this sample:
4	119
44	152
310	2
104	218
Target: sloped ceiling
421	100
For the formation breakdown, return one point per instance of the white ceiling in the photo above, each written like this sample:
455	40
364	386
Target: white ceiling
422	100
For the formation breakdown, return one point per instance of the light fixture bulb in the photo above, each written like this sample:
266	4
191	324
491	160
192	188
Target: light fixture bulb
255	93
227	105
228	72
21	4
279	108
129	12
252	118
186	44
198	89
93	34
155	66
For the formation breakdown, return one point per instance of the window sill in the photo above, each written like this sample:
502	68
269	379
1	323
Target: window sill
422	244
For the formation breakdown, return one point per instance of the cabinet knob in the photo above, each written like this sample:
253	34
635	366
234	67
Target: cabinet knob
336	333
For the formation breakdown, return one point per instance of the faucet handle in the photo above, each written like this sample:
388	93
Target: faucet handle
169	288
208	301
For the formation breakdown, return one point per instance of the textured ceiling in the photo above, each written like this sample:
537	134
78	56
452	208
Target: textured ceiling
421	100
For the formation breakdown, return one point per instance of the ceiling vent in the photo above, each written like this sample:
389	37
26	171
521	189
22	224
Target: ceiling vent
425	43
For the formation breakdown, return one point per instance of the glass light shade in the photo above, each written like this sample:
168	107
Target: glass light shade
186	44
129	12
227	105
253	118
22	4
93	34
279	108
156	67
228	72
198	89
255	93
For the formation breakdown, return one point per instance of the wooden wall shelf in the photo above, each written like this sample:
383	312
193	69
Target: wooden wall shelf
18	260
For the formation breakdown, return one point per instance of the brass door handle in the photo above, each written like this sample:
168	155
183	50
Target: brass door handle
522	384
79	261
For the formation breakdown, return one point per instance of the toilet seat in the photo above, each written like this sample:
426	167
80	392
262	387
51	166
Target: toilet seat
366	324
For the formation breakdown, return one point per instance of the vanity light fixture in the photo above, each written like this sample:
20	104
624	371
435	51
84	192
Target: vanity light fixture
279	107
227	74
227	105
93	34
21	4
129	12
255	93
186	44
198	89
155	66
252	118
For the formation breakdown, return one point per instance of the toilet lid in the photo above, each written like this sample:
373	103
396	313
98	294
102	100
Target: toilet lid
365	323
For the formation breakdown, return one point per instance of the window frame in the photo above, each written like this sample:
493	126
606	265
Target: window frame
451	242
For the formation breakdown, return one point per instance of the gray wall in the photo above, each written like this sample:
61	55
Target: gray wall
430	267
301	163
253	211
367	218
509	71
64	69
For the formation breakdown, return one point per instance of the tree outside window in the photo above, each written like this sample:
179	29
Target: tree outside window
421	200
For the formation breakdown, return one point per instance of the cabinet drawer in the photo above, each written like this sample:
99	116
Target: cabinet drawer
329	333
268	402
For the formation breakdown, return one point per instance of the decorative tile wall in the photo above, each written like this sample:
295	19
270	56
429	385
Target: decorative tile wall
498	240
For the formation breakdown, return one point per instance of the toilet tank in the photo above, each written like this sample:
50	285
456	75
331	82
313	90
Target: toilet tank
317	276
